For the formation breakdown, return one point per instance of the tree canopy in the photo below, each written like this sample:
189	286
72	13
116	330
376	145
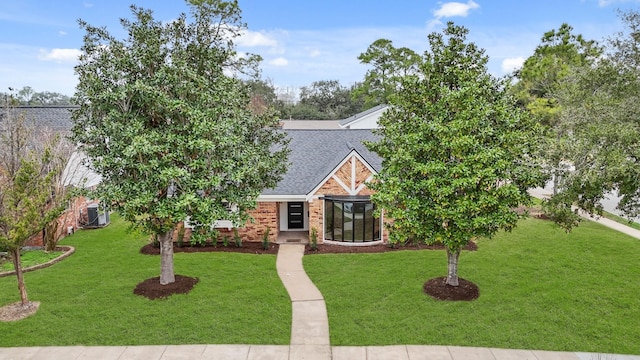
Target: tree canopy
457	151
28	96
168	124
600	105
389	66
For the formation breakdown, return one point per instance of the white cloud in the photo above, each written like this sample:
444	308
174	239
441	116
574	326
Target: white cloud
279	62
603	3
60	55
253	39
62	33
87	4
511	64
314	53
453	8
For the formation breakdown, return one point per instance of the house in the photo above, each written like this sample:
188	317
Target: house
324	188
367	119
57	119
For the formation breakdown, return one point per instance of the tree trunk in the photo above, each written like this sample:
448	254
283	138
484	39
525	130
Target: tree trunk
17	265
49	238
452	261
166	258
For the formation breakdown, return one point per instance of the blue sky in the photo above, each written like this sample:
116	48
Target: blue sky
300	41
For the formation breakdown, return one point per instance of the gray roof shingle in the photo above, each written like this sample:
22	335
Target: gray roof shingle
315	153
57	118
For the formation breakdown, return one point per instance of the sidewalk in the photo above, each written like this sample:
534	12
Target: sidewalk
309	337
542	194
283	352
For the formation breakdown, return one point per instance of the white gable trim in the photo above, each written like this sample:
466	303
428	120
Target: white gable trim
351	188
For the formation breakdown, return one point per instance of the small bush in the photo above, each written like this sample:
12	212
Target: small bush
225	241
265	239
198	238
154	241
180	239
314	239
237	239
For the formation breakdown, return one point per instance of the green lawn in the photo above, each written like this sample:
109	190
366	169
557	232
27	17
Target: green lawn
540	288
87	299
30	258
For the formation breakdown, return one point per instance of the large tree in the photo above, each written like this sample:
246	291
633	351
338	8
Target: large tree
601	104
389	65
31	162
455	149
169	128
538	87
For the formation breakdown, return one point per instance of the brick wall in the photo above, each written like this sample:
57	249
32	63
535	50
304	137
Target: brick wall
69	220
265	214
333	187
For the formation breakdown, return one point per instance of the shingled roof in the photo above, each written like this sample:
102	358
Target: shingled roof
315	153
57	118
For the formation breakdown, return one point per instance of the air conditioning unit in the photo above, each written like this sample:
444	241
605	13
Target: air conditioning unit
97	216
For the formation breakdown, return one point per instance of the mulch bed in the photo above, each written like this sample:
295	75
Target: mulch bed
438	289
152	289
252	247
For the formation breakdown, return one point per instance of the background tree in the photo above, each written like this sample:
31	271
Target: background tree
456	151
173	135
539	83
28	96
322	100
332	100
262	94
30	192
601	105
390	66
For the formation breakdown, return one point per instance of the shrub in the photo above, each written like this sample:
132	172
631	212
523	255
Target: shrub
154	241
225	241
180	239
314	239
198	238
237	239
265	239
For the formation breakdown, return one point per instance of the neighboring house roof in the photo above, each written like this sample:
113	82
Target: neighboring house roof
78	174
57	117
364	120
315	153
310	124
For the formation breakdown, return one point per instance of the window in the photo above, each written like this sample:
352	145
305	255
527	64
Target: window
350	219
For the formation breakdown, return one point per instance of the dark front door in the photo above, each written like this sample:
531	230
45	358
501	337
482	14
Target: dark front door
295	213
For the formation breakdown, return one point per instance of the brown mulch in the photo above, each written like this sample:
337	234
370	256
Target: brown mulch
247	248
438	289
152	289
533	212
341	249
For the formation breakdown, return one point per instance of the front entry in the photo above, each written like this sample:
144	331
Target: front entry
295	215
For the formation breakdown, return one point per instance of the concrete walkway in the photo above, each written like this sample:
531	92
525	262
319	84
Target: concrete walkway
309	321
543	194
309	337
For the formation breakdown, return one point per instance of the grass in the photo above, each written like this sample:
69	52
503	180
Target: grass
621	220
87	299
30	258
540	288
